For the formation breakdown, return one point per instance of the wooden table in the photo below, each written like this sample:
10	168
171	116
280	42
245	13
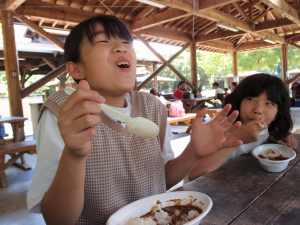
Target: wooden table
243	193
15	122
194	108
187	119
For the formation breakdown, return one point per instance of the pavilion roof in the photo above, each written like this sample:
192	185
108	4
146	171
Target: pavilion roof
180	21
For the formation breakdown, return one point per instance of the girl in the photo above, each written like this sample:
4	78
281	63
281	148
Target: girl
264	104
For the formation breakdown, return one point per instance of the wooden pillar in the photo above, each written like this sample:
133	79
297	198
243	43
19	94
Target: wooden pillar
235	67
62	80
12	68
155	78
284	61
193	58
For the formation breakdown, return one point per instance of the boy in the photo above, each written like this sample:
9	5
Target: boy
178	94
95	166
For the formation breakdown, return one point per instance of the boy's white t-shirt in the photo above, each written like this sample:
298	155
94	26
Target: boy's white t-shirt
219	91
53	145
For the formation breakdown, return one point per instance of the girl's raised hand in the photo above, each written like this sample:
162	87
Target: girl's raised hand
250	131
77	118
208	138
289	141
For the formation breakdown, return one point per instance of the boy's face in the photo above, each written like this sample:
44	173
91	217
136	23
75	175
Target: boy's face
109	65
182	86
215	86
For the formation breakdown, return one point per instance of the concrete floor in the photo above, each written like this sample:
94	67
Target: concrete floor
13	209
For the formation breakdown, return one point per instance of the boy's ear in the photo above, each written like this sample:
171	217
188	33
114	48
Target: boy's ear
75	71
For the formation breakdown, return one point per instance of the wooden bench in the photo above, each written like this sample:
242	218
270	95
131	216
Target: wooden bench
16	151
213	112
187	119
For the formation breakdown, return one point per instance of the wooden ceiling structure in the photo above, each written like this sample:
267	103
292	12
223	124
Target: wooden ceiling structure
193	24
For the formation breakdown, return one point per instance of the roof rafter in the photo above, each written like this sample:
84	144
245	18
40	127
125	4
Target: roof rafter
11	5
284	8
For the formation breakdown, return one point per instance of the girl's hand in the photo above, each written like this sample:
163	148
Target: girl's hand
289	141
208	138
249	132
77	118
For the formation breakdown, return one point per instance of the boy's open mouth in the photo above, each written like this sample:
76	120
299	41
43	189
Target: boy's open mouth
123	64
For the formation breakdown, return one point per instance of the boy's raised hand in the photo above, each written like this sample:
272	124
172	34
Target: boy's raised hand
77	118
208	138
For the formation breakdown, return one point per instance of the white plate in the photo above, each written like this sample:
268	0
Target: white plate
143	206
273	165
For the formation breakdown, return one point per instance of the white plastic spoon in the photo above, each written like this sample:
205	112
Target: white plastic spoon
138	126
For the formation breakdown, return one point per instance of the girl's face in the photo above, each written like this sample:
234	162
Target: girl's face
109	65
258	108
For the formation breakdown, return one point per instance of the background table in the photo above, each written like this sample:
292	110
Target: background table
14	121
243	193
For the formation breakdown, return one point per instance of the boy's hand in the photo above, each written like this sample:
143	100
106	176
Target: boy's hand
208	138
249	132
77	116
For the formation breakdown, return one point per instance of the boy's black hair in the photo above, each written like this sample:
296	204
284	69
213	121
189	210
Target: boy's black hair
155	92
216	84
225	89
277	92
234	84
181	82
113	27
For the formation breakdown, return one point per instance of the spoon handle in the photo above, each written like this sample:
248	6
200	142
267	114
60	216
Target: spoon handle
121	116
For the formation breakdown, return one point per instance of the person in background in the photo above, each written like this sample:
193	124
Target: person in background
225	92
233	86
218	92
158	95
199	90
264	114
178	94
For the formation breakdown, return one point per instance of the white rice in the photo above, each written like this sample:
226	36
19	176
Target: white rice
272	153
161	218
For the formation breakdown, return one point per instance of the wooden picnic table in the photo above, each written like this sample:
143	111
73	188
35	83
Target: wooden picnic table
15	122
243	193
193	108
187	119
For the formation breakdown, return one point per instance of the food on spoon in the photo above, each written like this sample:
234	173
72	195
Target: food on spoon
273	154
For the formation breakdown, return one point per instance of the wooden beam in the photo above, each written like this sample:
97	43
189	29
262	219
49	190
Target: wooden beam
48	77
156	72
294	78
159	18
294	45
284	61
235	64
11	5
167	33
49	63
283	8
63	13
155	78
208	4
273	24
253	45
242	12
218	35
39	30
165	61
220	45
260	16
193	59
145	12
11	64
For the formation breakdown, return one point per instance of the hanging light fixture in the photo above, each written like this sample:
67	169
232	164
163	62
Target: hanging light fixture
153	3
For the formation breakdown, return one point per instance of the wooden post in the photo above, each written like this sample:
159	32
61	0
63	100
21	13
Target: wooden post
235	67
193	58
155	78
12	67
284	54
63	80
